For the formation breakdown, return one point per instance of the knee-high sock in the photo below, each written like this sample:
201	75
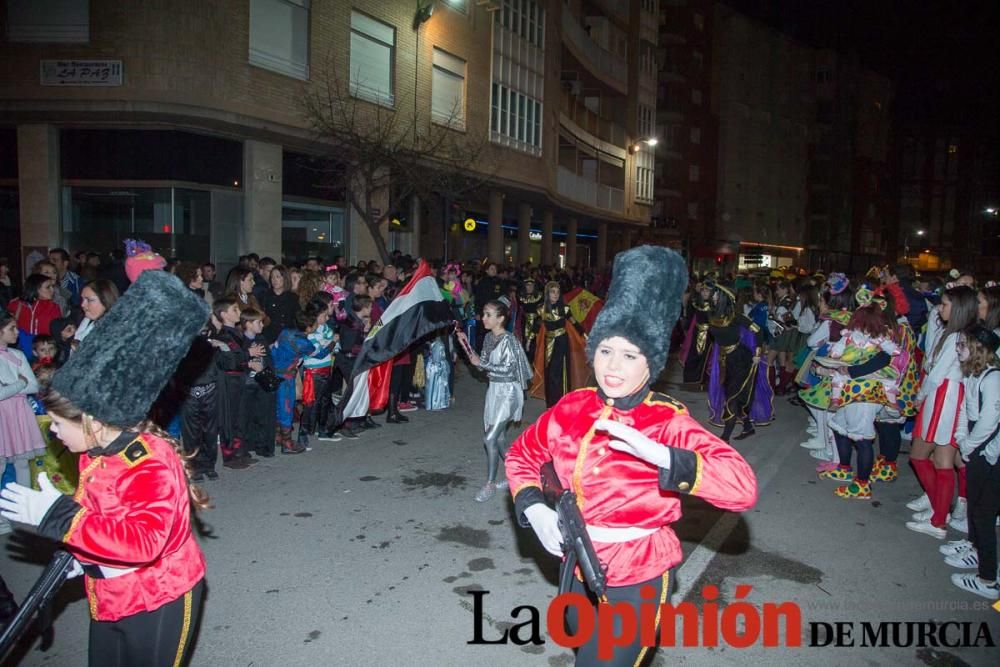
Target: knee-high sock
961	482
493	441
925	474
944	489
866	458
844	449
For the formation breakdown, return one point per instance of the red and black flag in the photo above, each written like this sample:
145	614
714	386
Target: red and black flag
417	310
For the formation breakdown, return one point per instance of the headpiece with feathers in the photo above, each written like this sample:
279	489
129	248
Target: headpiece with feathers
643	303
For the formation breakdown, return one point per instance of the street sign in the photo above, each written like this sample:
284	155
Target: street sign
470	225
81	72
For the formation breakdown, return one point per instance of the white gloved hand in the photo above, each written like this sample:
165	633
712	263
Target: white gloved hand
545	522
25	505
75	571
626	439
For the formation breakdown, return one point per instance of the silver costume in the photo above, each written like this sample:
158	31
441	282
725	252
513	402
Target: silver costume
505	363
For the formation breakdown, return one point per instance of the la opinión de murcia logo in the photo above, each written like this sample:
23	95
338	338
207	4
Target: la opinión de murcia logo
738	624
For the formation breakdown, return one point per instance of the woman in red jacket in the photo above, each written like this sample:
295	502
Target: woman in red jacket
129	522
34	310
626	451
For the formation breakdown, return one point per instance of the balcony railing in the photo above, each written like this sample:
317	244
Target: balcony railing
589	192
613	68
587	120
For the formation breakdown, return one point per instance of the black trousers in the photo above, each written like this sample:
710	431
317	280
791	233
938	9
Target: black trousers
230	389
152	638
983	491
631	654
257	419
200	426
315	415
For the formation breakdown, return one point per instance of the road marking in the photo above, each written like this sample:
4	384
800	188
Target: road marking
696	564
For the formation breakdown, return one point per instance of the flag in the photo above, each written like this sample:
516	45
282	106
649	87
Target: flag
417	310
584	306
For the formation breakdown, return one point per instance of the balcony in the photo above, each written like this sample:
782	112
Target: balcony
617	8
591	193
611	69
590	122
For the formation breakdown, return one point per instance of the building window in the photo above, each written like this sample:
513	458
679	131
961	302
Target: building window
524	18
373	47
670	136
448	89
645	164
516	119
695	135
699	21
696	97
65	21
692	210
279	36
694	173
645	121
952	148
458	5
310	230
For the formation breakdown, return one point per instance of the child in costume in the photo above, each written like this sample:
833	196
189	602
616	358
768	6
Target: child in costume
978	437
129	526
20	438
234	366
628	452
316	371
257	406
504	361
437	371
559	361
292	346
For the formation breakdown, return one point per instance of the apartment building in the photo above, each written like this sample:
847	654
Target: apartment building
181	122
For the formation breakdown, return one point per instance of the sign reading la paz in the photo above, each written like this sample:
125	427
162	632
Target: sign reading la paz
81	72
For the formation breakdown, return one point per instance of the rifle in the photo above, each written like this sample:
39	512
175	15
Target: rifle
38	600
577	545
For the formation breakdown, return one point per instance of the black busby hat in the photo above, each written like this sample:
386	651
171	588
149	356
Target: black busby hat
126	360
643	303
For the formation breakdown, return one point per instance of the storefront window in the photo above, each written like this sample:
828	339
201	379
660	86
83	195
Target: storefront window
310	230
175	221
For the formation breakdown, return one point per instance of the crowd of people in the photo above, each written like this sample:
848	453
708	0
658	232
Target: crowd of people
874	360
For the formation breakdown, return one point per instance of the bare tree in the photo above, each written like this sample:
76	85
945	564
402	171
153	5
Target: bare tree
377	149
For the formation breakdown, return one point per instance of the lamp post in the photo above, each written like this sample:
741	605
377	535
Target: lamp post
906	242
637	146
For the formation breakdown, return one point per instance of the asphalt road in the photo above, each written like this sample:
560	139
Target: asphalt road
365	552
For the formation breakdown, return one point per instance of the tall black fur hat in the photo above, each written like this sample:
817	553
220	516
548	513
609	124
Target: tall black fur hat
126	360
644	301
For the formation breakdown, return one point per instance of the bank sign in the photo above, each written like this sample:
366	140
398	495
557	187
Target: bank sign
81	72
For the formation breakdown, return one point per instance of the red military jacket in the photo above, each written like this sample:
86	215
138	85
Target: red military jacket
131	510
617	490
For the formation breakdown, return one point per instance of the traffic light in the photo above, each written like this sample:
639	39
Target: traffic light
718	260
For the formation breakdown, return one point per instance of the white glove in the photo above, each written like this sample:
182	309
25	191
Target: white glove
25	505
630	441
75	571
545	522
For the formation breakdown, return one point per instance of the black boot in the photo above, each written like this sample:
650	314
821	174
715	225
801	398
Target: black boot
394	416
727	432
747	431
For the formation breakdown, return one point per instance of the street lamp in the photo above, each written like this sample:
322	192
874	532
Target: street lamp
906	242
649	141
424	12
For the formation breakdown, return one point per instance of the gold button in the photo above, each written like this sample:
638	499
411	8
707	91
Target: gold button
610	402
597	470
601	451
683	486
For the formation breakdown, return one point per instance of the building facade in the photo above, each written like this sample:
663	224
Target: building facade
181	122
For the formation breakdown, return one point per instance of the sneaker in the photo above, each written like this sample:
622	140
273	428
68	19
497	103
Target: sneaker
966	560
856	490
370	423
329	437
812	429
813	443
917	504
954	547
973	584
826	466
961	525
488	491
303	442
293	449
923	515
927	528
961	510
821	454
406	406
838	474
502	485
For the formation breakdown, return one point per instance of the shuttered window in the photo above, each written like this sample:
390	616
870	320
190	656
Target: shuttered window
373	46
64	21
448	89
279	36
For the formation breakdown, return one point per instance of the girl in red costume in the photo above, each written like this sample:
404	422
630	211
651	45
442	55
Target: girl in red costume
129	522
628	452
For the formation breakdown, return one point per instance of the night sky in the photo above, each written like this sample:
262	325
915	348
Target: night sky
943	55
